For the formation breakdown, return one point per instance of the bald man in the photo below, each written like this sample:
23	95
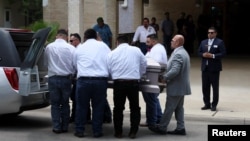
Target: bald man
178	85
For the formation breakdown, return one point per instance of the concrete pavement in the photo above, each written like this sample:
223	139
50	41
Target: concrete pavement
233	108
234	98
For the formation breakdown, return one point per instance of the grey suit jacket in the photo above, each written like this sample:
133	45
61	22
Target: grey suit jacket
177	73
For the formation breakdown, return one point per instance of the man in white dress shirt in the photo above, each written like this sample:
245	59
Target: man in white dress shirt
90	60
126	65
158	53
59	58
141	34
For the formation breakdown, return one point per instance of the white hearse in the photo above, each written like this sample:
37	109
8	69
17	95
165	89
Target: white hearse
22	81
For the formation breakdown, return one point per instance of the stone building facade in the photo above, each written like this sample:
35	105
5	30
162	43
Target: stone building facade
123	16
78	15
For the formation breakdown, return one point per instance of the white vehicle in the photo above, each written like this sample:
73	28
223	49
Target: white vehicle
23	83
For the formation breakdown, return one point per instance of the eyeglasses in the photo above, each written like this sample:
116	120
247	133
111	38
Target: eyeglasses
210	33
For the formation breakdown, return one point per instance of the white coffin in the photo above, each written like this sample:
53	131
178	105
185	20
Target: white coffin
149	82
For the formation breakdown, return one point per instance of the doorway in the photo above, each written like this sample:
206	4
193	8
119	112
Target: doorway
7	18
230	18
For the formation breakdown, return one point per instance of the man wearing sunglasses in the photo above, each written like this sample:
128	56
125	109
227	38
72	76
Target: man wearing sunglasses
211	51
75	39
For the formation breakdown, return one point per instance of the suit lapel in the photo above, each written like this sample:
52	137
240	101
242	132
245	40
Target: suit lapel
170	58
212	46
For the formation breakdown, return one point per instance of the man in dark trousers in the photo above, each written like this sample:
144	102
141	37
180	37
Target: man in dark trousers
211	51
126	65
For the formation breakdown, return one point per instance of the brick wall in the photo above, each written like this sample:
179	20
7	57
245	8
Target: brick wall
57	10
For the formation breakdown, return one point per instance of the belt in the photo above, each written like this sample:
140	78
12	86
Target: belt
63	76
93	78
126	80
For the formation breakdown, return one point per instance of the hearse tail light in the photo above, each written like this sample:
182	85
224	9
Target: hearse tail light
12	76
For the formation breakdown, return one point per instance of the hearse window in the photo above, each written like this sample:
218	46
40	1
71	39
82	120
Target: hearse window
31	57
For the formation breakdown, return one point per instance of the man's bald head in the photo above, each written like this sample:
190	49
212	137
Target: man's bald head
177	41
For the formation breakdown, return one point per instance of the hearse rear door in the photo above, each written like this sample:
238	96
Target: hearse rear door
29	82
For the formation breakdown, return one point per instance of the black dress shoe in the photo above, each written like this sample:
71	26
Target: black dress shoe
118	135
79	134
213	109
157	130
177	132
64	131
132	135
57	131
205	107
97	135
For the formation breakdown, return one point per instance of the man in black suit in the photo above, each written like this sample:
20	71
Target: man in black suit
211	51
